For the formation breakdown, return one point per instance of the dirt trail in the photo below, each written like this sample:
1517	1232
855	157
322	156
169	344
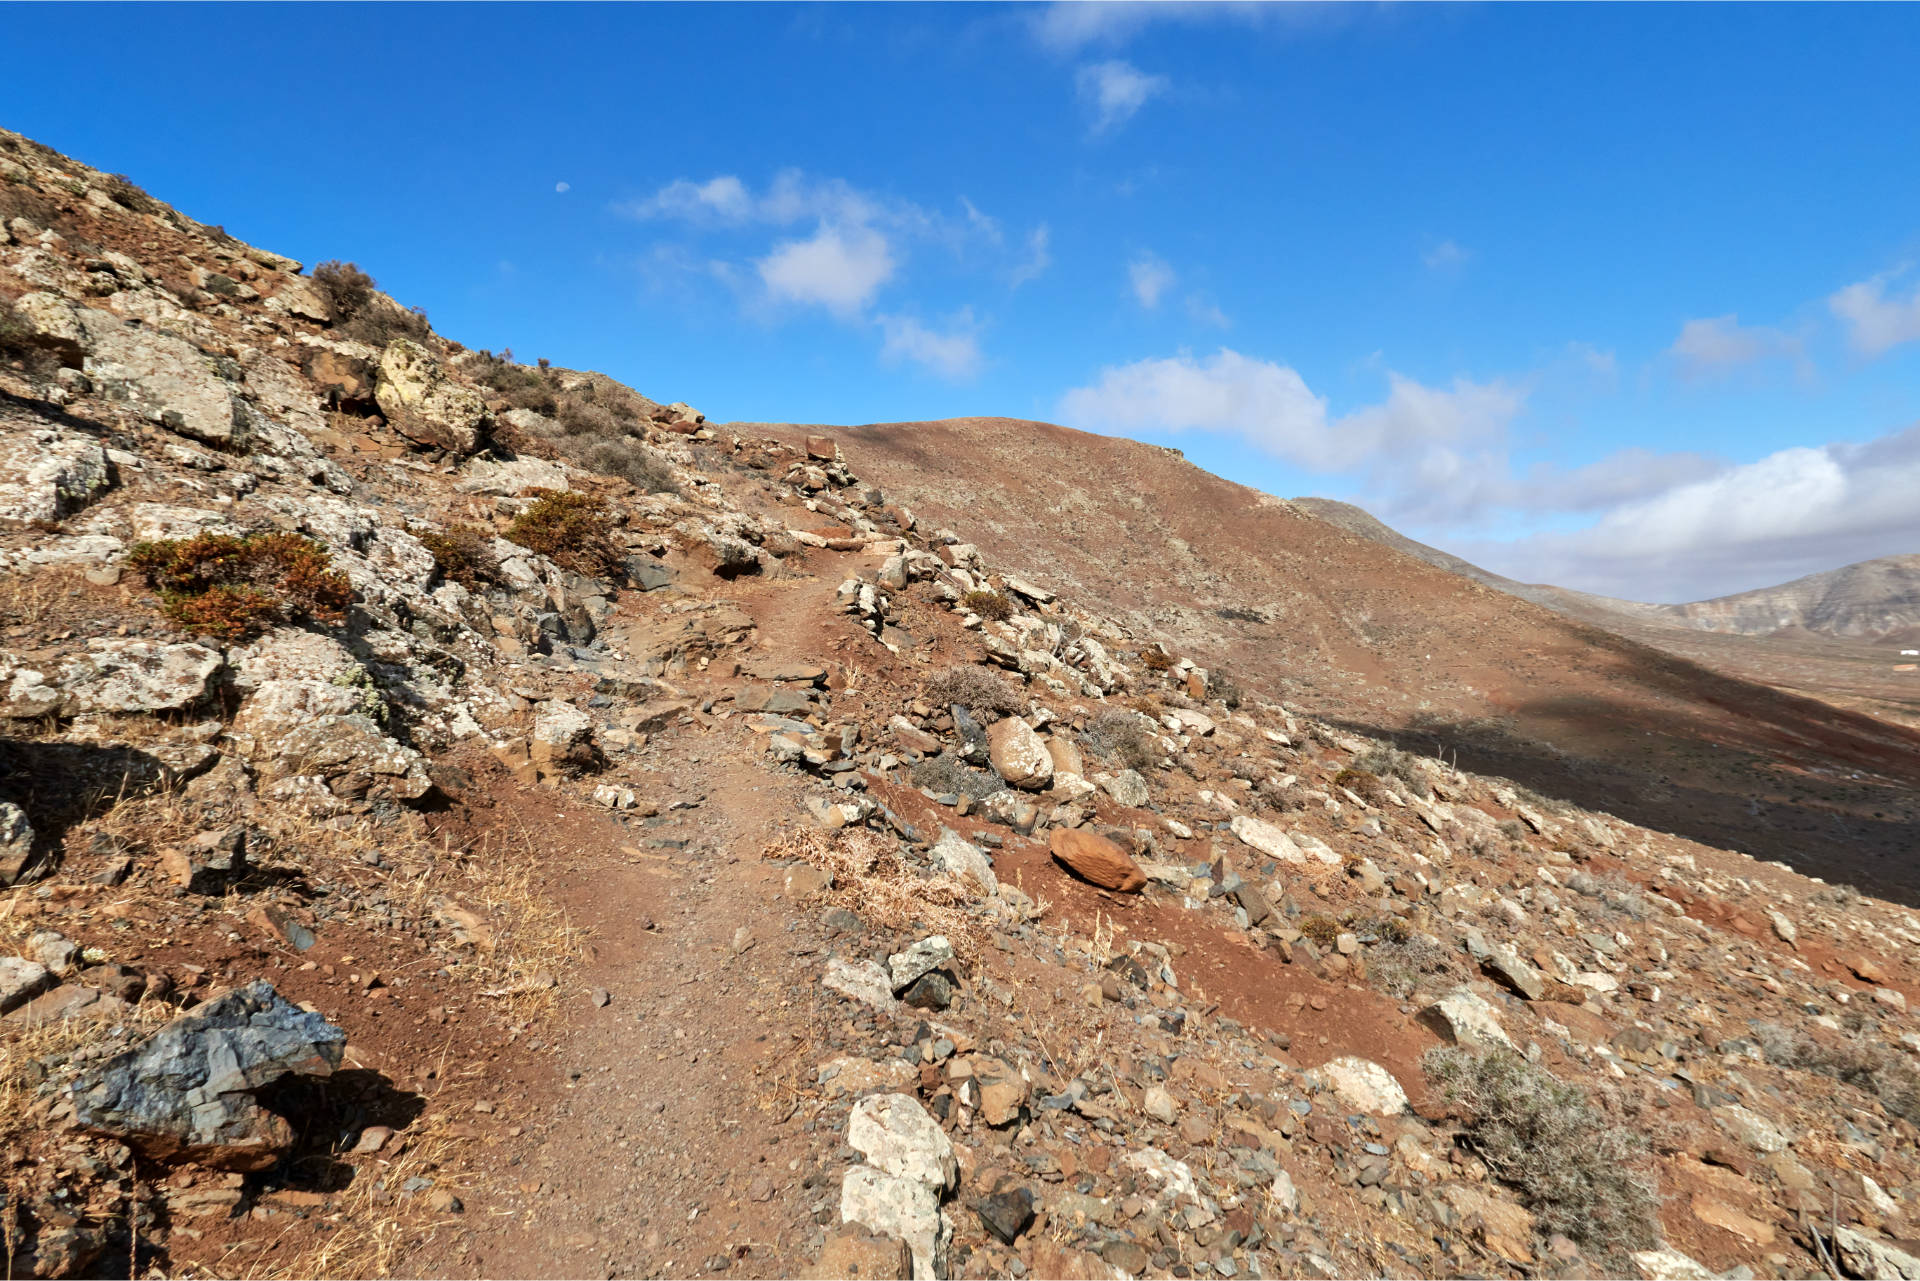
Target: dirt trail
652	1136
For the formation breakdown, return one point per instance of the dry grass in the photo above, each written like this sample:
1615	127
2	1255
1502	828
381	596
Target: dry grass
975	688
870	880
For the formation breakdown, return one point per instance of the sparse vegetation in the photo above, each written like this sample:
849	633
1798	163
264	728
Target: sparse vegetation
573	530
990	605
1401	967
1362	783
234	587
631	461
1121	737
1574	1169
360	313
975	688
1386	761
1860	1061
947	773
464	554
1321	931
1157	658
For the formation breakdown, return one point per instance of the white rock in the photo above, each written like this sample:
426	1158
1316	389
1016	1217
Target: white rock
1268	839
961	859
1466	1019
20	981
1018	754
1126	788
1751	1128
1863	1256
47	475
1667	1264
862	981
903	1209
1174	1177
897	1136
924	957
1159	1104
1362	1085
137	676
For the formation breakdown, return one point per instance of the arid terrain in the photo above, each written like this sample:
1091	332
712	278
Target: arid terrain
460	818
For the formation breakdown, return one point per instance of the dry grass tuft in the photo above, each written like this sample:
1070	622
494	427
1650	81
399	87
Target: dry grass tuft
870	880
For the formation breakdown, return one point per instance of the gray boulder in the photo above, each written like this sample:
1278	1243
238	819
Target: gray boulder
16	842
352	757
426	406
137	676
189	1092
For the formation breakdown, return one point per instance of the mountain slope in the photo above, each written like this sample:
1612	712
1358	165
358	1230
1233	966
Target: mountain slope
1360	632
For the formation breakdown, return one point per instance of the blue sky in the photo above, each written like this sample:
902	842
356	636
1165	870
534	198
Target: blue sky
1621	297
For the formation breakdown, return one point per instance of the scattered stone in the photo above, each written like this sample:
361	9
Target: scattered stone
281	925
1751	1129
1465	1019
1126	788
1505	964
905	1209
933	991
1018	754
927	955
1006	1214
20	981
1267	839
1362	1085
1096	859
16	841
1159	1105
851	1253
187	1093
863	981
896	1136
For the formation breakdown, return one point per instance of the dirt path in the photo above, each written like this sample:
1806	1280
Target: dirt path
655	1136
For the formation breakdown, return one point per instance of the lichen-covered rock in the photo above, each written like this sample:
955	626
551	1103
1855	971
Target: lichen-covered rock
562	740
350	757
424	404
188	1093
1361	1085
16	842
50	474
1018	754
163	378
1126	788
1464	1018
137	676
25	692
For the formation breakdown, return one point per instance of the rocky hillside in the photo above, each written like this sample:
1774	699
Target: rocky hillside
1873	600
469	819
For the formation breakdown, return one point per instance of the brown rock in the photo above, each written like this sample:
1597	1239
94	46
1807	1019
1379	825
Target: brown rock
1867	969
823	448
1066	757
850	1252
1719	1214
1097	859
1018	754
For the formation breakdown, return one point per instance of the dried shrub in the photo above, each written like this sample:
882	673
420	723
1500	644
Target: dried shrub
1362	783
631	461
360	313
1321	931
572	530
990	605
1385	761
1122	737
130	194
871	880
464	554
1401	967
1574	1169
1860	1061
975	688
520	386
1157	658
947	773
234	587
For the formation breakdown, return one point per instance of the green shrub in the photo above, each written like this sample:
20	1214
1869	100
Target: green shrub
464	554
235	587
974	688
1321	931
990	605
572	530
1573	1168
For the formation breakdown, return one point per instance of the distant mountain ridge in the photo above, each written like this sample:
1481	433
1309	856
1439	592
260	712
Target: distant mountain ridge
1871	600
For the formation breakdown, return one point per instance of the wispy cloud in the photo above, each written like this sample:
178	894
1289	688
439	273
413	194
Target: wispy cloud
1876	321
1039	257
1150	279
1077	24
1448	255
1204	311
1717	344
954	354
1114	91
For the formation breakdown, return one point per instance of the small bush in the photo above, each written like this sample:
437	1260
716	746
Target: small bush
1390	762
631	461
1122	737
974	688
233	587
129	194
1321	931
1156	658
464	554
947	773
1572	1167
1859	1061
990	605
570	529
1401	967
344	288
1367	786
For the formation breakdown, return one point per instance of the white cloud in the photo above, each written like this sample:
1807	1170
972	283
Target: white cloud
987	226
837	268
1446	256
1793	512
1115	91
563	187
1039	257
954	354
1073	25
1271	406
1717	344
1150	278
1206	312
721	199
1874	321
